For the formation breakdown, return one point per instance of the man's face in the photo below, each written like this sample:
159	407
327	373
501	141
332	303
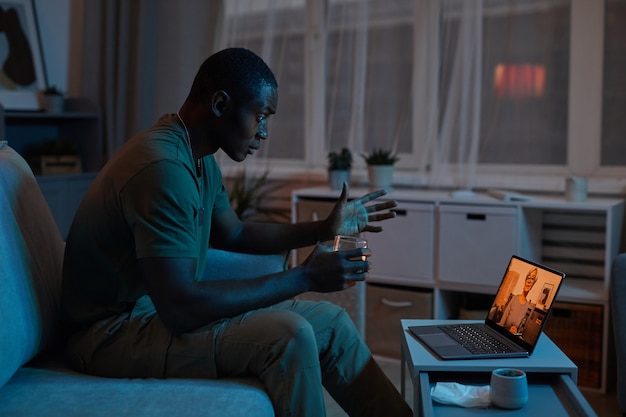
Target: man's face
246	124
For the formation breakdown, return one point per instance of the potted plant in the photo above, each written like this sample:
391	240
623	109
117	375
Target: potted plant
339	164
53	99
380	167
249	197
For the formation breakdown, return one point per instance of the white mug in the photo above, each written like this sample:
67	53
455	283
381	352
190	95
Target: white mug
576	189
508	388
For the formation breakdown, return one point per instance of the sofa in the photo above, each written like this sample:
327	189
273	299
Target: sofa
35	379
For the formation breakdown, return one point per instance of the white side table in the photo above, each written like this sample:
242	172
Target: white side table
552	378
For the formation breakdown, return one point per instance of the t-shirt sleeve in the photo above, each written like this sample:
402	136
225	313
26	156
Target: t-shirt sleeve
161	206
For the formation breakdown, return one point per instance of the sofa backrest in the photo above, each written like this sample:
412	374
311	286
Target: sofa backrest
31	258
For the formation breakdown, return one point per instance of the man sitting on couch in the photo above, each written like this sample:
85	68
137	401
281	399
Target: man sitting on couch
143	302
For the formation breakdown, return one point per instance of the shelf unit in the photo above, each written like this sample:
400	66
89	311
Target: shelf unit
80	122
456	249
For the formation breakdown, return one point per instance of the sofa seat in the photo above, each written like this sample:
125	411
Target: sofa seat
65	393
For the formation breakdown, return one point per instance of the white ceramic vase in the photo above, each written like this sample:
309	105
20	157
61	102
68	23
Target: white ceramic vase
336	178
380	177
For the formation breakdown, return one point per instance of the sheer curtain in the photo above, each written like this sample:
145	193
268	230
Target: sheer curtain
455	87
276	31
502	76
369	52
462	90
363	50
459	104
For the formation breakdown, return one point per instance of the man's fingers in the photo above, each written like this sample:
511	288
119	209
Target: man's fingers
381	216
382	206
372	229
371	196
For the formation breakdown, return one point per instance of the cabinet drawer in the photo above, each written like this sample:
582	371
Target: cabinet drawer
386	305
476	243
404	251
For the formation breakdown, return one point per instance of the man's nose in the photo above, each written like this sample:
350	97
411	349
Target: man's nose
262	130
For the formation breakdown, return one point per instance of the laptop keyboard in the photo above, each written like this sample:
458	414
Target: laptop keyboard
475	339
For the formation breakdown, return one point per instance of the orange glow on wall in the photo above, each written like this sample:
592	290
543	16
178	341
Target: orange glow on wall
519	80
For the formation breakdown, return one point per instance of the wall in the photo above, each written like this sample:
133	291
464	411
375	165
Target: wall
53	17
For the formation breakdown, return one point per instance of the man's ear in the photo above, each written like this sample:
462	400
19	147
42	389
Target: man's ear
219	102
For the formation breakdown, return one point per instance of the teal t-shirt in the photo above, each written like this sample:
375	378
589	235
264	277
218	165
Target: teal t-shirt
150	200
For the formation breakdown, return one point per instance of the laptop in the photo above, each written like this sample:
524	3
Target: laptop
513	323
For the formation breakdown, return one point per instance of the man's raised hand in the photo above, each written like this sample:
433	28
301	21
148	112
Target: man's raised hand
353	217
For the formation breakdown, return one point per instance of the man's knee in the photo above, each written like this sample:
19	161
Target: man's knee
335	316
296	344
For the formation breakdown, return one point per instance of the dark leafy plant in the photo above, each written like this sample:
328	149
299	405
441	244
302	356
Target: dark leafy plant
340	160
248	196
380	156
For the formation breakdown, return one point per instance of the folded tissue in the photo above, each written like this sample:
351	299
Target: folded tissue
453	393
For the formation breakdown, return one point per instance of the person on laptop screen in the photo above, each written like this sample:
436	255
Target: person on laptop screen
518	306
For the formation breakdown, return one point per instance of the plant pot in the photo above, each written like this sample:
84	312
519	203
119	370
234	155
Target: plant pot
336	178
53	103
380	177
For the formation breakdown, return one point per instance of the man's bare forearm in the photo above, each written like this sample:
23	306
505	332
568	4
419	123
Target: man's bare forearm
280	237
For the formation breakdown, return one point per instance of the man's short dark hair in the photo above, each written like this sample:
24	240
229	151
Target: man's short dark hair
238	71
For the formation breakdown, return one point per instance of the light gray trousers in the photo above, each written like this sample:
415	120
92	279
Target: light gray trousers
293	347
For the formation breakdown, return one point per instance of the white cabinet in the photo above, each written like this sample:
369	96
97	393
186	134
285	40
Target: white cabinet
475	243
457	249
403	253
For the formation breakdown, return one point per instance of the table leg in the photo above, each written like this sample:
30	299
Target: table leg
420	378
402	374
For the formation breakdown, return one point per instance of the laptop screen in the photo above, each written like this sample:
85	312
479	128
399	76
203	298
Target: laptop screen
523	301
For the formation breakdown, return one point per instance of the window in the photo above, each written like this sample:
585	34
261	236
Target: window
540	81
275	30
369	67
614	88
530	40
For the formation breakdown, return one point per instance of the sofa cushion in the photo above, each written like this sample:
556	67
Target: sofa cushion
68	394
31	249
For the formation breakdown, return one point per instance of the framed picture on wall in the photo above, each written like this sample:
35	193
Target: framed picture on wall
544	297
22	76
